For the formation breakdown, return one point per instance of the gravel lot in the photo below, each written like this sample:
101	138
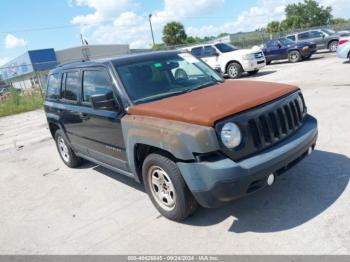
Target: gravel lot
47	208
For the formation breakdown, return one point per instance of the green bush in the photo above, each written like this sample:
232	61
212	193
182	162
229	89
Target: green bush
16	102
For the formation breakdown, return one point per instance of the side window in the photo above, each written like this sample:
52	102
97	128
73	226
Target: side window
209	51
53	86
304	36
72	86
96	83
197	51
315	34
291	37
273	43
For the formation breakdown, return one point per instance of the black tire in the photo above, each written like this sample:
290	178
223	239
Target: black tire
268	62
184	202
251	73
333	45
67	155
234	70
294	56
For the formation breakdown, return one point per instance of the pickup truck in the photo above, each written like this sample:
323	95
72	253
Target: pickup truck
169	121
284	48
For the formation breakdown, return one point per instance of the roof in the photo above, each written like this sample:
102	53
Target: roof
115	60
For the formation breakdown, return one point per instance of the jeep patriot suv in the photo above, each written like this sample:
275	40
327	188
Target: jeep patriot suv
170	122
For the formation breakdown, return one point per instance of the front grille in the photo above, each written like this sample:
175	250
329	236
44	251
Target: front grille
272	126
265	126
259	55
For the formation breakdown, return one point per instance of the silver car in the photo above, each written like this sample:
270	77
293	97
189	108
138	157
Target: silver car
343	50
324	38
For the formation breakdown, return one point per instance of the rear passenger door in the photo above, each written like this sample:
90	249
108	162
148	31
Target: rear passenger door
69	111
100	131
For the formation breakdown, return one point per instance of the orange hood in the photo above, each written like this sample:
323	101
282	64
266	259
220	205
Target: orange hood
206	106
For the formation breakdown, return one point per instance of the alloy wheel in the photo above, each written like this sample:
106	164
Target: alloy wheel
162	188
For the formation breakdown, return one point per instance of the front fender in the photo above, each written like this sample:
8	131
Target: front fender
178	138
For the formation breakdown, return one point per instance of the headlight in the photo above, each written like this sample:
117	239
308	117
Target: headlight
231	136
249	56
301	105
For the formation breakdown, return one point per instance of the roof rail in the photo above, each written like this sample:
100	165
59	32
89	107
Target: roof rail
72	62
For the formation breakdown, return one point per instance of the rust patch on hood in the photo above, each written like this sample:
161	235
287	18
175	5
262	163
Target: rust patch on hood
206	106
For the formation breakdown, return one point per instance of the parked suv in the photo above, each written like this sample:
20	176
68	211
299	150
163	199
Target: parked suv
169	121
231	61
284	48
323	38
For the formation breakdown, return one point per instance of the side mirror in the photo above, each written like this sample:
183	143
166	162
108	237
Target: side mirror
218	70
216	54
104	102
279	45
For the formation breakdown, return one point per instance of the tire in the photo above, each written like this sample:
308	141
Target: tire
251	73
234	70
333	45
66	153
294	56
268	62
166	188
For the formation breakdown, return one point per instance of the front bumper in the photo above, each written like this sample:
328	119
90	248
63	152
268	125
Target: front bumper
217	182
252	65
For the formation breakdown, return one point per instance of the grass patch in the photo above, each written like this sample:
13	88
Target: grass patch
18	102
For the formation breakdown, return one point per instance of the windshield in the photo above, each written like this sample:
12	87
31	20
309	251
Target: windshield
286	41
329	31
164	75
224	48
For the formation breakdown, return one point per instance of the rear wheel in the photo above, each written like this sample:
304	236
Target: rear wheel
333	46
65	152
166	188
234	70
294	56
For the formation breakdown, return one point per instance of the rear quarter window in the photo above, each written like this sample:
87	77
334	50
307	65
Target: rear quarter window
53	86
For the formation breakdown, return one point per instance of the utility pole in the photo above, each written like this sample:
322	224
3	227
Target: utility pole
82	39
150	24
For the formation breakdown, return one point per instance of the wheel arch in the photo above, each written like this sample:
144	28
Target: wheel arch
332	40
232	61
141	151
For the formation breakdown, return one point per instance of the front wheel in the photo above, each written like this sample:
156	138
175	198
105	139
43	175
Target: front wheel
234	70
294	56
333	46
166	188
66	153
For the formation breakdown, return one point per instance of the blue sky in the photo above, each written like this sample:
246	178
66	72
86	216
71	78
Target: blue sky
23	23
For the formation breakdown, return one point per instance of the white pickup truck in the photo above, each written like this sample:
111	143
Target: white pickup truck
231	61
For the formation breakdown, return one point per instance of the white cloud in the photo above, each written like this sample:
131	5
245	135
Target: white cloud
103	10
4	60
262	13
116	22
12	41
